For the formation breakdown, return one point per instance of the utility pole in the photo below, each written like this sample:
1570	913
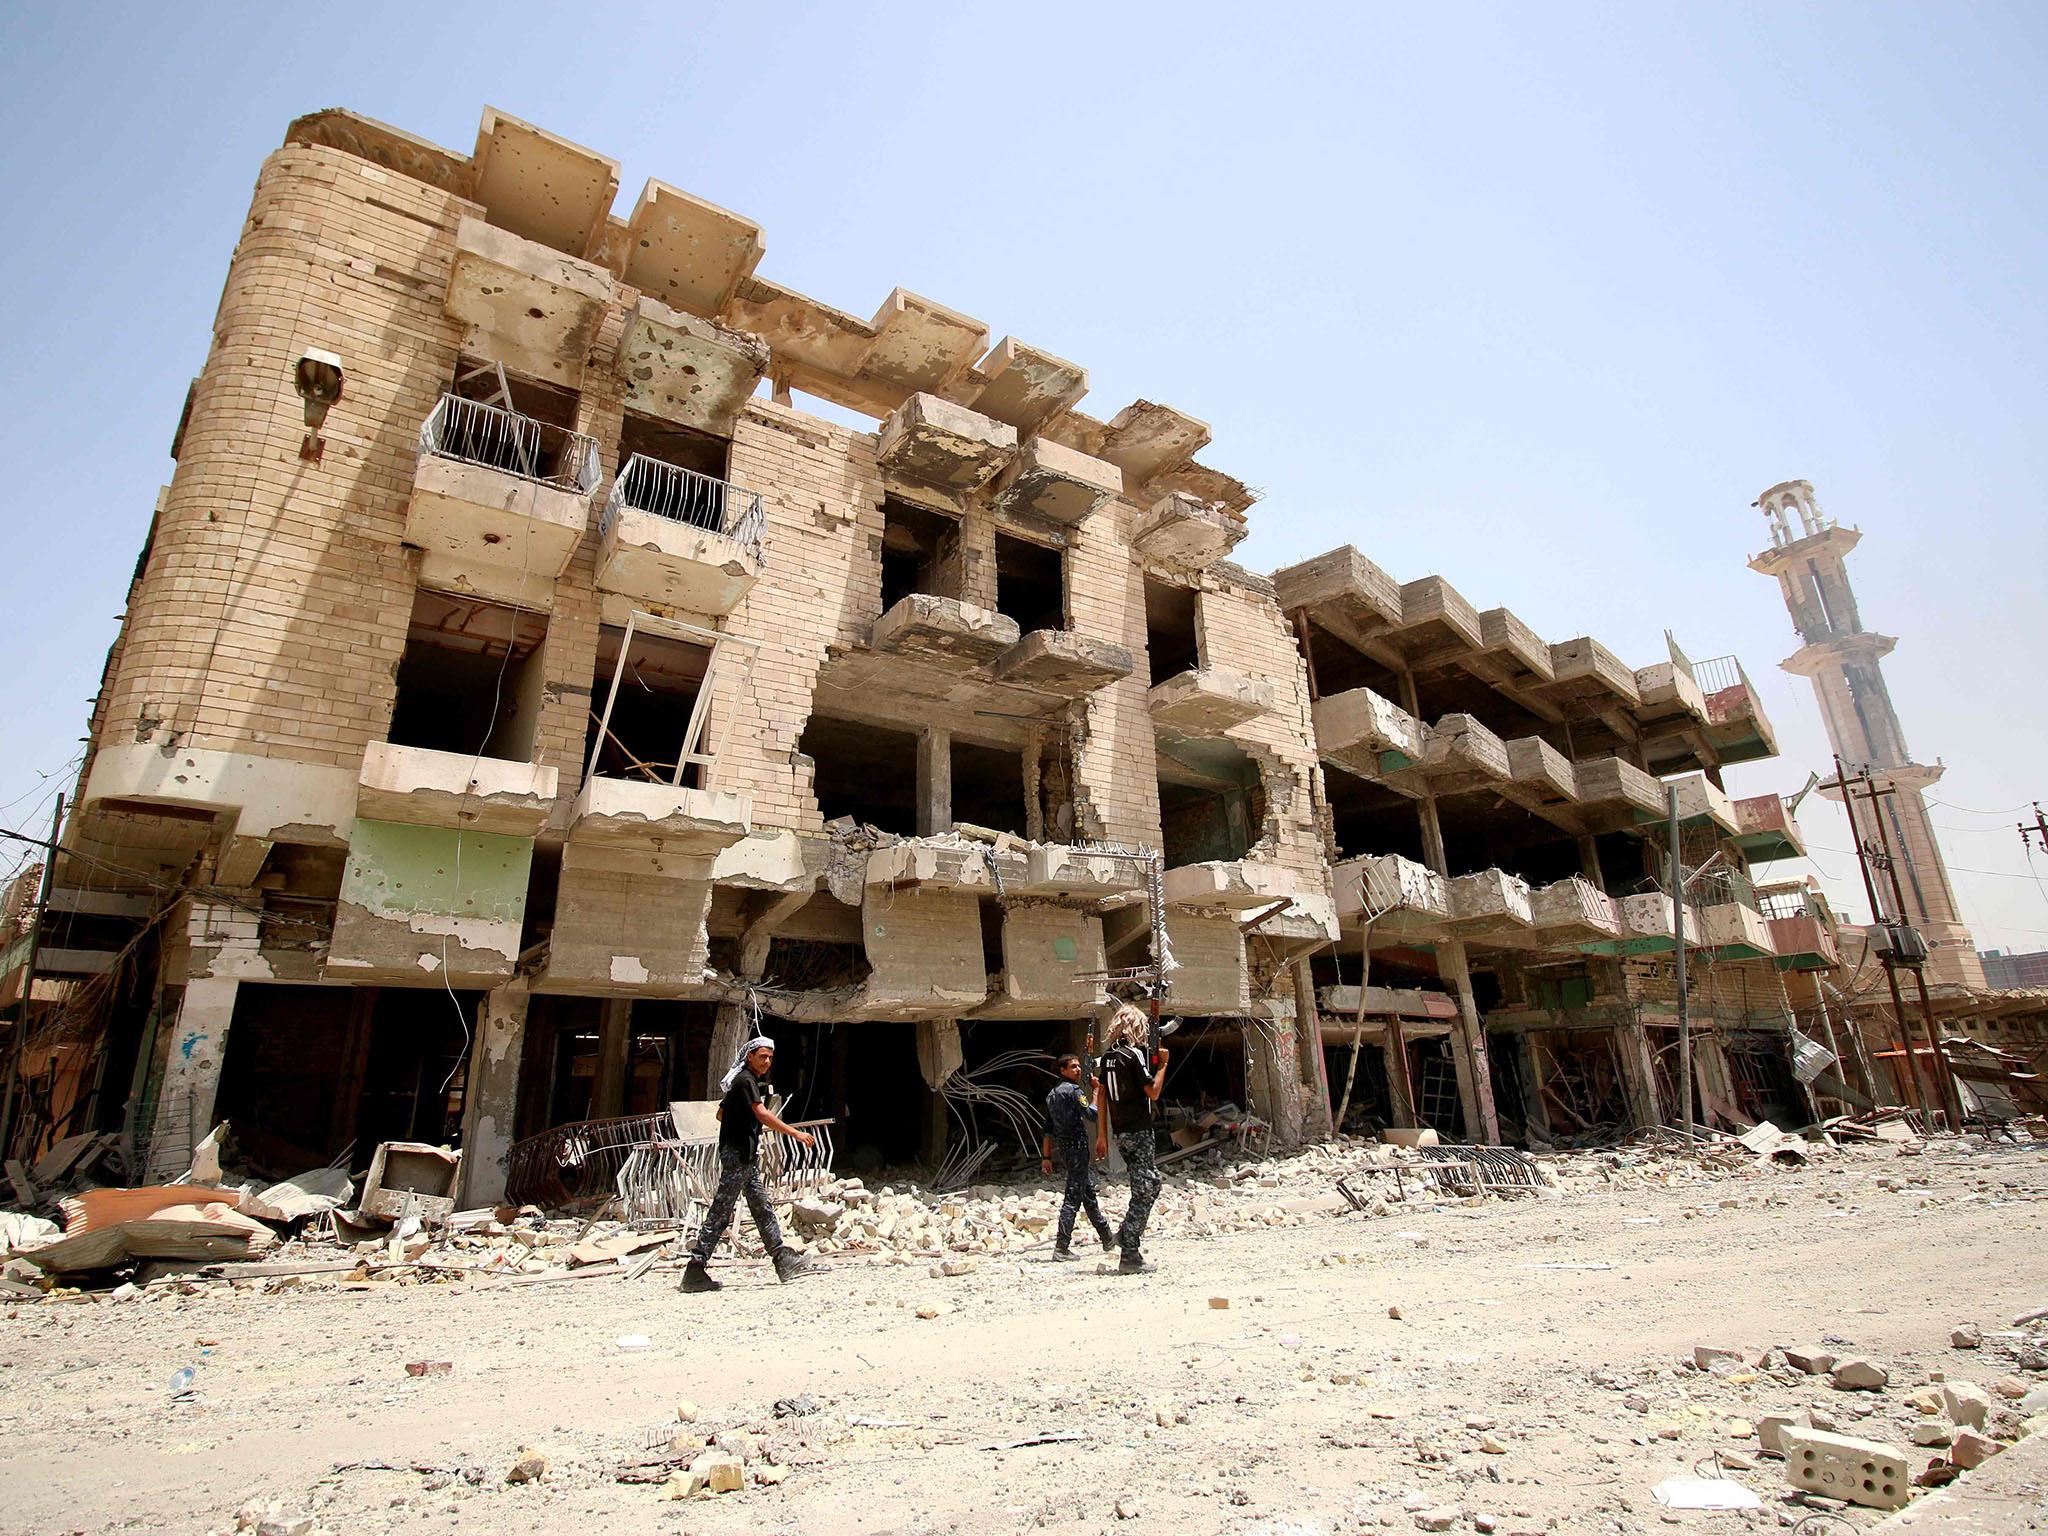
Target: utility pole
28	980
2037	833
1678	952
1944	1078
1841	782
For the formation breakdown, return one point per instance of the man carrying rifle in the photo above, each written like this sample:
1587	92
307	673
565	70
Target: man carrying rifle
1127	1084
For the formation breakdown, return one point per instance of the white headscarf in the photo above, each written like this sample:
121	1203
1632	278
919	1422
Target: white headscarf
759	1042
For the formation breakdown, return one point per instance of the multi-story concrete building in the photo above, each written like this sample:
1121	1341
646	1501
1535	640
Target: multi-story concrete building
1499	820
521	692
521	725
1844	661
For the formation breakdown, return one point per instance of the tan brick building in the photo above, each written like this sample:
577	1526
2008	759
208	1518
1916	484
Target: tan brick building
490	749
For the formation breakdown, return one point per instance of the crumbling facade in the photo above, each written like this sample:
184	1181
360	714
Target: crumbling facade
523	697
515	727
1498	817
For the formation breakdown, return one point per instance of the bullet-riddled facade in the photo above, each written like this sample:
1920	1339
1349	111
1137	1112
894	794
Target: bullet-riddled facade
566	696
528	692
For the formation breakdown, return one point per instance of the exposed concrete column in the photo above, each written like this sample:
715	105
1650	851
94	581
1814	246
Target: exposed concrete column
934	781
1710	1066
1398	1104
1275	1037
614	1042
491	1098
1535	1114
184	1101
1638	1073
1317	1106
1589	862
1468	1048
729	1028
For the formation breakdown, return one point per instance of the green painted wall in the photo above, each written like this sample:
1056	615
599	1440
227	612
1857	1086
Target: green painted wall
396	870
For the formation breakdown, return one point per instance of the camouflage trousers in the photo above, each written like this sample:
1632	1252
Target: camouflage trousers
1080	1194
737	1176
1140	1157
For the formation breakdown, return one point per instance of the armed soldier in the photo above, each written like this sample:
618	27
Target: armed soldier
1130	1083
1067	1113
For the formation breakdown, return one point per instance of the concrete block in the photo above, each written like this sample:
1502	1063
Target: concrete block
1771	1428
1842	1467
1966	1403
1971	1449
1815	1362
1409	1136
1856	1374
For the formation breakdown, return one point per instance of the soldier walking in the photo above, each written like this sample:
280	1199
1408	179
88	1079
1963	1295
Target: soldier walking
741	1114
1067	1114
1126	1087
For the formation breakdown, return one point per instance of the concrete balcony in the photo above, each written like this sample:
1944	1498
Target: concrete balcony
1646	925
530	307
1187	534
1668	690
1342	591
678	539
1735	932
1057	870
647	817
1701	801
1238	885
1055	482
943	629
416	787
1045	949
693	372
1365	734
499	500
938	443
1524	653
1489	903
1459	753
1586	669
1573	911
1401	898
1060	662
950	864
1736	723
1208	701
1803	943
1436	619
1614	794
1765	830
1542	771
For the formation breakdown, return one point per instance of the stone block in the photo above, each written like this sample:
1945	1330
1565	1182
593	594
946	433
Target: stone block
1771	1428
1856	1374
1841	1467
1966	1403
1815	1362
1971	1449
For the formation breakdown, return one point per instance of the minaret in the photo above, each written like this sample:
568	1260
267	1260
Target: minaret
1843	659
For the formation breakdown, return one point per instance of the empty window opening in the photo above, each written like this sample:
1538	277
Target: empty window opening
992	937
1031	583
309	1070
1340	668
659	681
988	787
863	771
1170	630
920	553
1212	802
300	885
470	678
676	473
668	1054
1370	819
521	426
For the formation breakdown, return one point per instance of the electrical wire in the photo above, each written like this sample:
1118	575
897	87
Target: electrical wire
1967	811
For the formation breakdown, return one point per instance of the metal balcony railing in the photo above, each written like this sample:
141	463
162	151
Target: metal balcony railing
471	432
684	496
1718	673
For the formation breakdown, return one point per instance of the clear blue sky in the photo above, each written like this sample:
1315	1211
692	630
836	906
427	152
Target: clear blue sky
1535	296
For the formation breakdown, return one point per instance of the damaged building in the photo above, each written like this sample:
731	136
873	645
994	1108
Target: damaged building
526	691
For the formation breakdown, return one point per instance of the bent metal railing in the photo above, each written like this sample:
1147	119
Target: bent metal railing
471	432
585	1161
683	496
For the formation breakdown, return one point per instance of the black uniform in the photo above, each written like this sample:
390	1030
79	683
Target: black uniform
739	1169
1066	1119
1125	1072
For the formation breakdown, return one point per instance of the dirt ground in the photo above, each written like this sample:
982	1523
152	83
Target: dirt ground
1538	1376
